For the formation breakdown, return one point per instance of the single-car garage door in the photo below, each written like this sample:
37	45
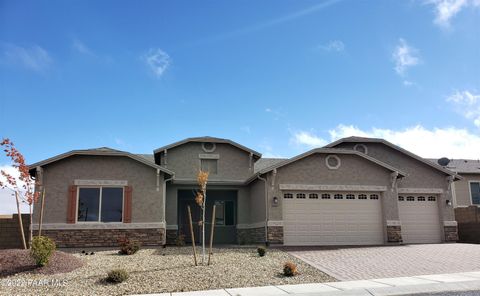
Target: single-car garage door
419	219
332	218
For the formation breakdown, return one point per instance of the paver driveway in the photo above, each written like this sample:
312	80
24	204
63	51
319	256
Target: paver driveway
360	263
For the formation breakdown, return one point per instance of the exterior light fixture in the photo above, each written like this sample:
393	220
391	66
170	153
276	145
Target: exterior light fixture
448	202
275	200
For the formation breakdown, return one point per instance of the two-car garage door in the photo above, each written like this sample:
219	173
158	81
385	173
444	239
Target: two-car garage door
332	218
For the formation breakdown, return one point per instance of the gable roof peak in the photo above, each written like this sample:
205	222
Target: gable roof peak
210	140
395	147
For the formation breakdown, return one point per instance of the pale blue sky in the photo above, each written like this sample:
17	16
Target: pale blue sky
277	76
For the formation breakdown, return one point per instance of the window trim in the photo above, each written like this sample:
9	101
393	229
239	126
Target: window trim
330	166
209	150
361	145
210	159
99	221
470	192
224	215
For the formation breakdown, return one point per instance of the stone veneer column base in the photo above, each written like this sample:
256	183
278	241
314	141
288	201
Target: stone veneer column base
394	234
451	234
247	236
172	235
275	234
78	238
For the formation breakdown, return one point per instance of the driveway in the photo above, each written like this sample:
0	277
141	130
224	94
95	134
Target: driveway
361	263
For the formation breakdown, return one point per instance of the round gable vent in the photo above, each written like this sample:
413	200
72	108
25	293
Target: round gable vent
332	162
360	148
208	146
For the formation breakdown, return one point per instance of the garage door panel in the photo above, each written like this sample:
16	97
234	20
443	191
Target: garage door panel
420	221
332	222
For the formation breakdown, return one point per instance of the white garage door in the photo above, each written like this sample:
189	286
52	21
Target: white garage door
419	218
332	219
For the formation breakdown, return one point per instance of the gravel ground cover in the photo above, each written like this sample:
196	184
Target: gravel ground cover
165	270
14	261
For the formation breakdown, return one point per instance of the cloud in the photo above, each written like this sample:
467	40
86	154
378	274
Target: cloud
333	45
7	200
404	57
276	113
80	47
304	138
157	60
33	58
273	22
445	10
246	129
430	143
467	103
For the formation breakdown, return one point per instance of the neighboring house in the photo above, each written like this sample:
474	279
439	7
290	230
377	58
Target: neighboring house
355	191
466	192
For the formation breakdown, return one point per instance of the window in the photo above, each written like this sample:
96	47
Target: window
338	196
373	196
288	195
209	165
362	196
475	192
432	198
401	198
332	162
224	213
300	195
421	198
350	196
410	198
100	204
313	196
325	196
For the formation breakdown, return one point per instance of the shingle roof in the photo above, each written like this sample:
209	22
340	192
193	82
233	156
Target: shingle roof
324	151
264	163
465	166
148	157
210	140
354	139
102	151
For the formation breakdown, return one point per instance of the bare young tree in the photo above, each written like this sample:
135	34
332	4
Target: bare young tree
200	199
23	188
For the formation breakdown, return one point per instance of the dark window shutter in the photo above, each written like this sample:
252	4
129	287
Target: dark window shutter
72	204
127	208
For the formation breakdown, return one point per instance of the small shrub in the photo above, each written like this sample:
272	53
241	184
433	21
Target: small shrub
42	248
290	269
261	251
128	247
117	276
180	240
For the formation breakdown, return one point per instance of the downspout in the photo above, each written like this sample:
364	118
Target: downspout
266	208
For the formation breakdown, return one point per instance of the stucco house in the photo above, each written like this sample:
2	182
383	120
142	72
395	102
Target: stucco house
355	191
466	192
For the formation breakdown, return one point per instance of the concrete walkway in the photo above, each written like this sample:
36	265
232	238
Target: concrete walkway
466	281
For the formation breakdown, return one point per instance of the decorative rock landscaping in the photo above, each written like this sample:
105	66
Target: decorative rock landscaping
166	270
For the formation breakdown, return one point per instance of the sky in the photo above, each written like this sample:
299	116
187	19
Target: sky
278	76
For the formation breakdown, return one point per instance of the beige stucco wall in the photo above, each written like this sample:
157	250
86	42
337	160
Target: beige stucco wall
462	189
419	175
257	202
354	170
147	204
233	164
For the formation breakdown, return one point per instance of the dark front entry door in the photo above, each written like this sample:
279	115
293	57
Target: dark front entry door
225	215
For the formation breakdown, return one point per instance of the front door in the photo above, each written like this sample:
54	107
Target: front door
225	202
